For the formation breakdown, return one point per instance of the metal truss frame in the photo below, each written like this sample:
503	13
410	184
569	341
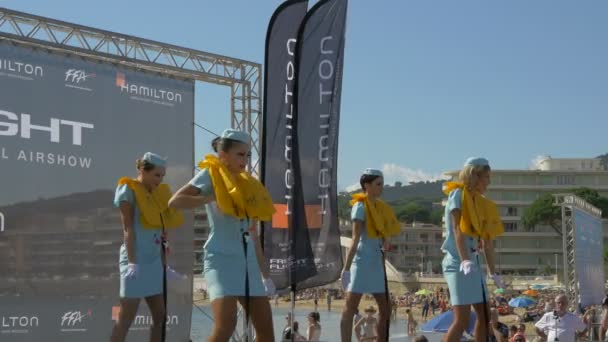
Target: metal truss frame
243	77
568	202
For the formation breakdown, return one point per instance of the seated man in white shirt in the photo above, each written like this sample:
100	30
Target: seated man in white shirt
560	323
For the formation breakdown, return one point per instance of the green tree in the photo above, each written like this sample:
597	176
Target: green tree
437	217
413	212
344	206
542	211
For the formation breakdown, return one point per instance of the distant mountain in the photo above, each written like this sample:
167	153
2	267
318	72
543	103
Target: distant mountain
423	194
421	190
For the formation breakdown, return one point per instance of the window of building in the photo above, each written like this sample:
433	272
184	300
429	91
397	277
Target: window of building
424	237
510	226
511	211
528	180
585	180
529	195
510	196
546	180
509	179
565	180
438	236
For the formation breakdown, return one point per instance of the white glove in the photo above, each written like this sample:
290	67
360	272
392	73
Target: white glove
173	274
498	281
269	287
345	278
467	266
131	271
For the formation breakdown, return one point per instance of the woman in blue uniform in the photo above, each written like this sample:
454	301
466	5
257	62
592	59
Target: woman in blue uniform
142	202
461	267
234	202
373	221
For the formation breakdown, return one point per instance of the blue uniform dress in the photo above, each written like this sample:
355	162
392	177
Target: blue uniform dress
149	278
464	289
224	257
366	270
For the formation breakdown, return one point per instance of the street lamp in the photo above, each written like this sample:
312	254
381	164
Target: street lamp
422	263
555	264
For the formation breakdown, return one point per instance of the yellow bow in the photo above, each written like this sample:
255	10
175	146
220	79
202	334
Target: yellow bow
479	216
242	196
153	206
380	218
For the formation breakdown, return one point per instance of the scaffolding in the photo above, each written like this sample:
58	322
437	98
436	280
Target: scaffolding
567	203
243	77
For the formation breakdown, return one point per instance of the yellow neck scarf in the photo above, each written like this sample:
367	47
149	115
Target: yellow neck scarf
379	217
479	215
242	196
153	206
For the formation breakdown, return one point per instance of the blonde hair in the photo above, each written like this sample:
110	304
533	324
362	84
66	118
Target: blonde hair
471	174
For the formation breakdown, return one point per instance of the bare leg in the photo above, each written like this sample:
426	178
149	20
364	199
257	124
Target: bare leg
128	310
157	309
481	325
261	317
224	313
346	322
462	314
384	316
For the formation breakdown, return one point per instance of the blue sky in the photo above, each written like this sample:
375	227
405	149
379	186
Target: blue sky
426	83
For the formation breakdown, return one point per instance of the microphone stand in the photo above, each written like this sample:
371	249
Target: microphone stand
556	318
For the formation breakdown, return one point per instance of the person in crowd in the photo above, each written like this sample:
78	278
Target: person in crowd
560	324
314	327
368	324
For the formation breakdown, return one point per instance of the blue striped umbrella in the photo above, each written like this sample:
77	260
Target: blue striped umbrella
443	322
521	302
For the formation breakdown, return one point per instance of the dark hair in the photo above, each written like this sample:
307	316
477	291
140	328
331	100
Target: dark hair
366	179
421	338
223	144
513	327
145	165
315	315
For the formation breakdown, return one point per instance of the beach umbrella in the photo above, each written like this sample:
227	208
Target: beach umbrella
499	291
538	287
442	323
532	293
521	302
424	292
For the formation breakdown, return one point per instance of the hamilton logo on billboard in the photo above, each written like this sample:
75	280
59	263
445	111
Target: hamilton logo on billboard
20	70
18	324
146	93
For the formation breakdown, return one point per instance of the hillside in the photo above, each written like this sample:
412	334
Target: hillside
413	202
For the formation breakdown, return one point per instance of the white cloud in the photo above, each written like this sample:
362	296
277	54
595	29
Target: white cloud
353	187
535	162
397	173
